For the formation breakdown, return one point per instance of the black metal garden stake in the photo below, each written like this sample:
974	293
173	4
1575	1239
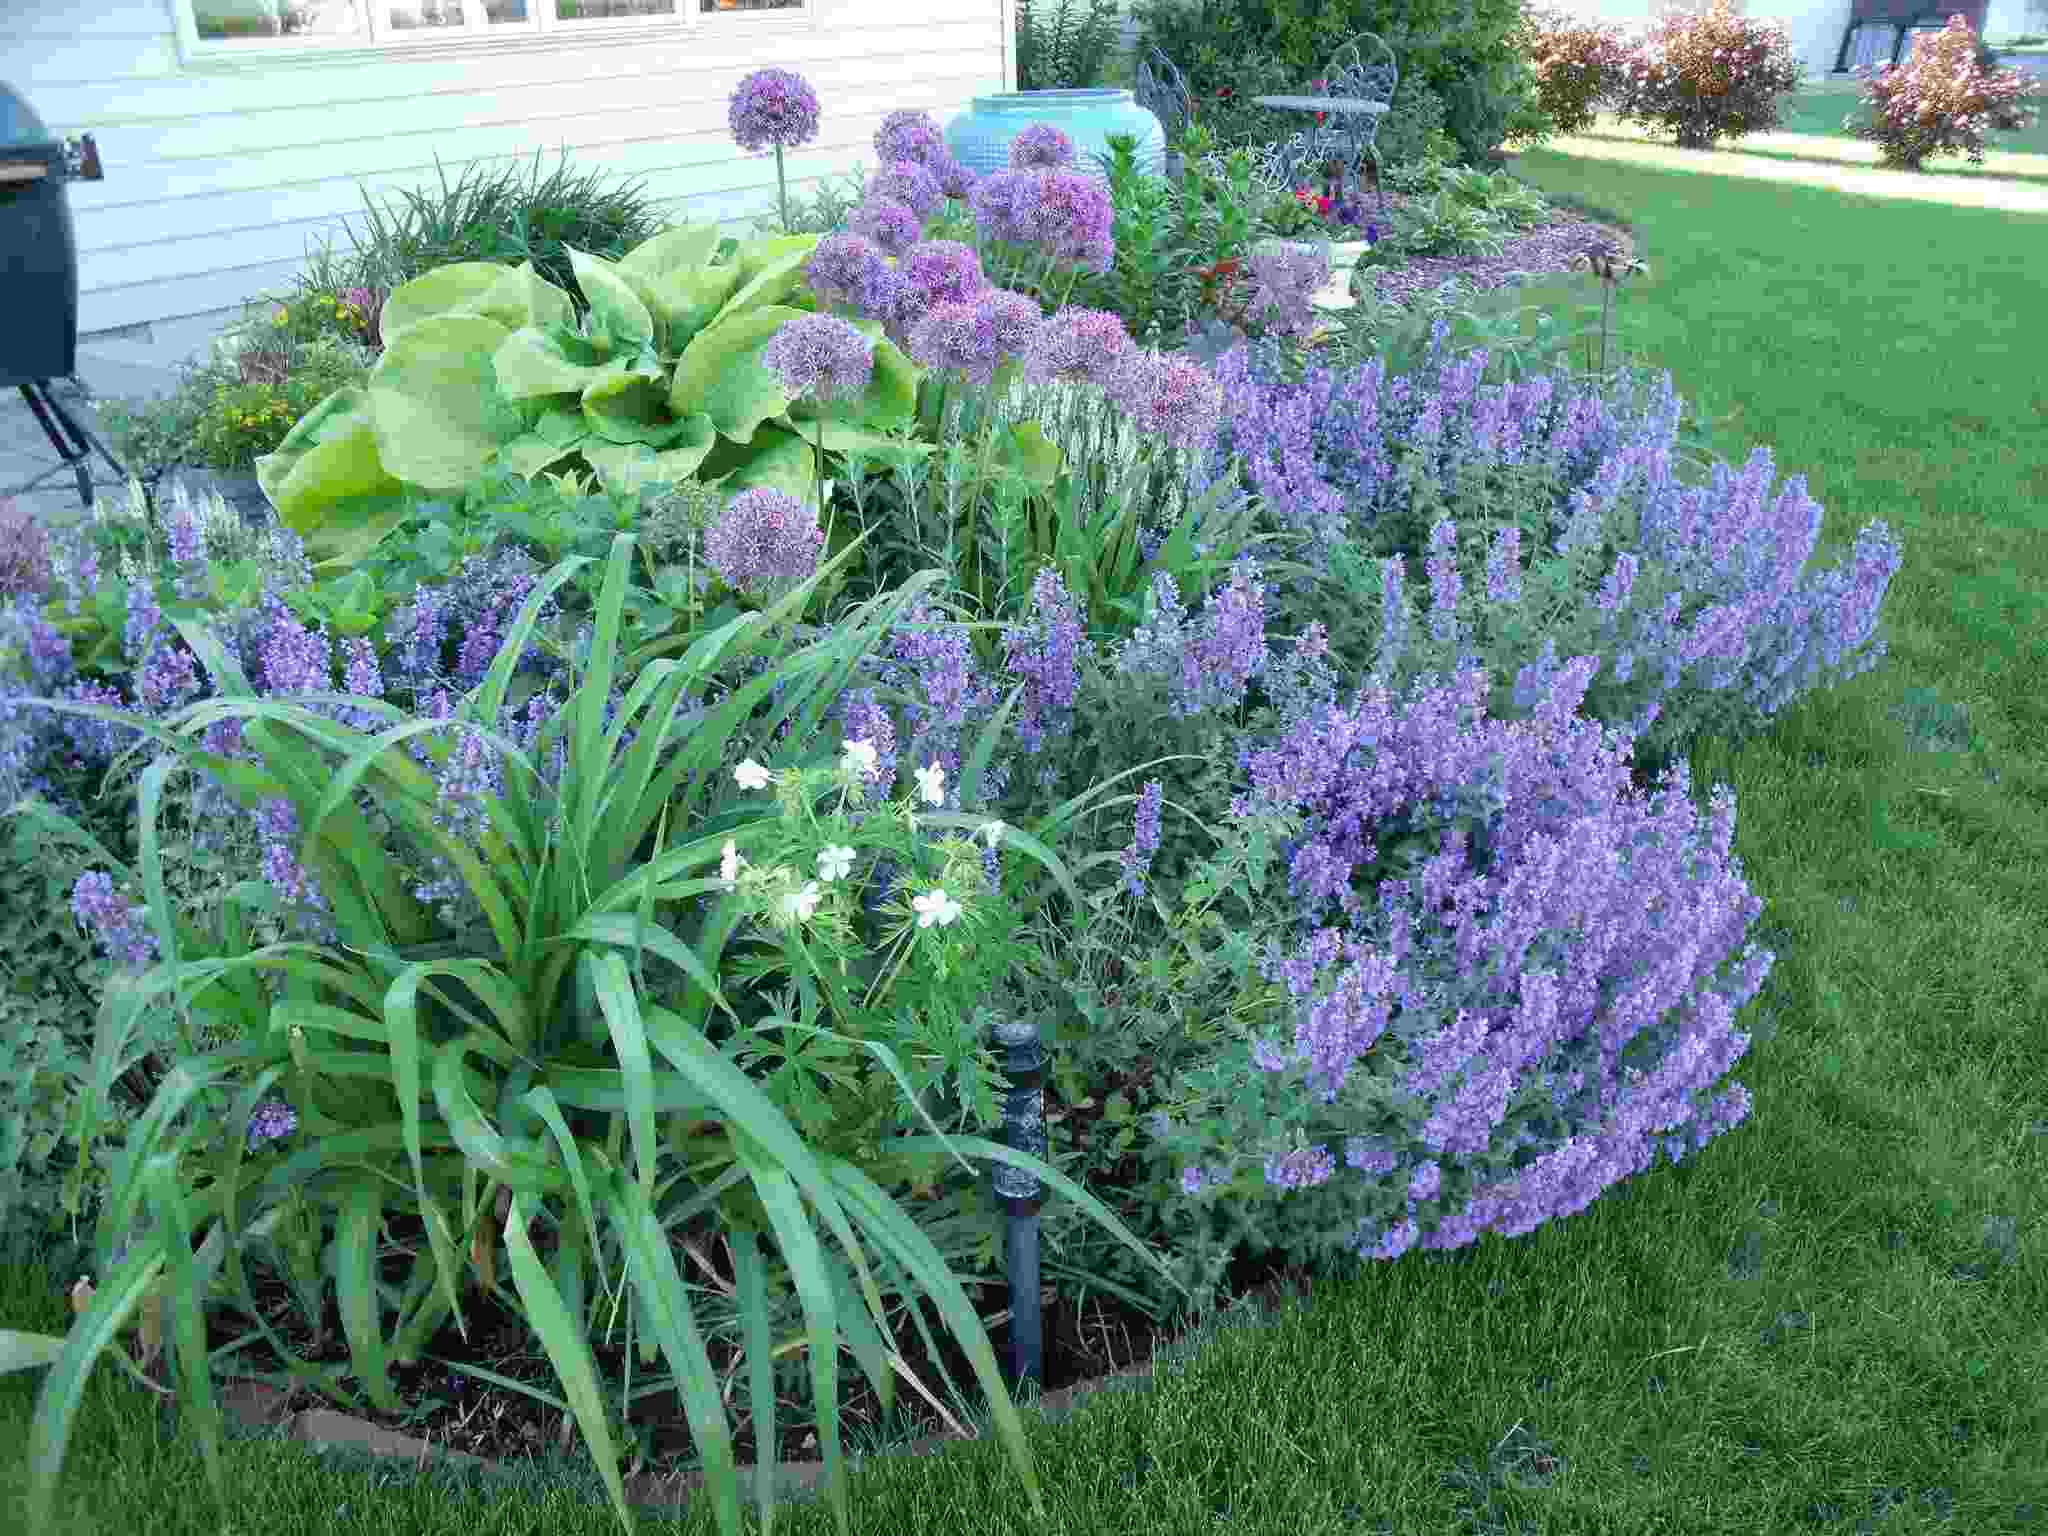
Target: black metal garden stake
1024	1131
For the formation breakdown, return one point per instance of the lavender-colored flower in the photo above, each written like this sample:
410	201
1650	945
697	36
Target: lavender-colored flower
1072	219
25	567
272	1120
1041	147
1136	860
97	741
909	183
1012	318
1046	655
909	134
44	651
1285	278
862	718
183	536
820	358
295	658
1081	344
850	272
277	831
167	679
955	180
932	272
956	337
773	107
144	617
1231	649
1169	396
893	227
122	928
765	541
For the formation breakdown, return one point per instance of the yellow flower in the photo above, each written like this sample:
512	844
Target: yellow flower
282	317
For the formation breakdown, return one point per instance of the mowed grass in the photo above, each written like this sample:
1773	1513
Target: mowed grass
1832	1319
1810	134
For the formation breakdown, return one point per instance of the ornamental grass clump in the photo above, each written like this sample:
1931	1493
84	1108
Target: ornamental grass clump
1506	974
1940	101
1514	495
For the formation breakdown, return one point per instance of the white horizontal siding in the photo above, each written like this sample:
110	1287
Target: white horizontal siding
222	174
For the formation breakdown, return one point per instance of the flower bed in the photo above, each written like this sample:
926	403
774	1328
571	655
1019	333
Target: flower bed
669	737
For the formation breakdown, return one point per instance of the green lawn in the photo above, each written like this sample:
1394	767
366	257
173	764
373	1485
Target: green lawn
1810	129
1829	1321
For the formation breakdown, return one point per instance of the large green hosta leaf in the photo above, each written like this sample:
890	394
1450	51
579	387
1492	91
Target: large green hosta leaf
328	467
617	315
436	404
628	466
513	296
775	457
721	375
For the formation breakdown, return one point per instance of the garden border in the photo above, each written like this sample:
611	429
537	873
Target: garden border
258	1406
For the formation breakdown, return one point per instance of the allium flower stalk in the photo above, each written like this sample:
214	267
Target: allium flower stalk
1041	147
774	107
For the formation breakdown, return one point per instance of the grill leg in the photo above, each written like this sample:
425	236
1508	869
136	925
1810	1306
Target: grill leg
52	416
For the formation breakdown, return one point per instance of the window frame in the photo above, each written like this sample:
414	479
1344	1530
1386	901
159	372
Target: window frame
542	29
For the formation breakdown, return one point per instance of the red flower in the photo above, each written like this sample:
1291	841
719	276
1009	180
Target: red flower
1223	94
1323	205
1319	118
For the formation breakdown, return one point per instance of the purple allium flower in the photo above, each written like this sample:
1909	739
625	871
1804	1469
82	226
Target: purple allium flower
1012	318
1046	655
272	1120
122	928
893	227
1041	147
1285	277
1086	344
932	272
773	107
850	272
1136	860
820	358
1168	395
955	336
765	541
909	183
1064	213
955	180
25	568
910	135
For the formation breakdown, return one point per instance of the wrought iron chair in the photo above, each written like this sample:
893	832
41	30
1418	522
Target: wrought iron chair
1363	69
1163	91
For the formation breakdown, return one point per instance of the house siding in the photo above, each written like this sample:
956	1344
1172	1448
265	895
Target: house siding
222	174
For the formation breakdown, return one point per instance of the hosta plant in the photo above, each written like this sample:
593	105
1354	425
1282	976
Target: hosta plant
1709	75
1940	101
485	367
547	1063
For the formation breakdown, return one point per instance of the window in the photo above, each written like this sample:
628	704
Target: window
1869	44
270	28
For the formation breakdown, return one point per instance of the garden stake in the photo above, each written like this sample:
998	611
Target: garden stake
1023	1131
1607	265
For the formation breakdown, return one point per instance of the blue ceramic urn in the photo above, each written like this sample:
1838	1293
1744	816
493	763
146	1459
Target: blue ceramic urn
980	137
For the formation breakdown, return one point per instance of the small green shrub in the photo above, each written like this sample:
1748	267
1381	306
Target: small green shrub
1065	45
251	416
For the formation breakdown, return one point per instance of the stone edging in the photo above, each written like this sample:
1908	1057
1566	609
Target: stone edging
258	1406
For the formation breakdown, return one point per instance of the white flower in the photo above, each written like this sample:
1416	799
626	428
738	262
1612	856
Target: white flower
834	862
730	863
751	775
801	904
862	758
935	907
931	783
993	831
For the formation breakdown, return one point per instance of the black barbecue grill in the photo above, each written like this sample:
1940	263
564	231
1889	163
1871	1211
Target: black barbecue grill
39	274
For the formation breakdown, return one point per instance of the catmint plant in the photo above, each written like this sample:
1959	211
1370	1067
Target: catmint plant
1490	1023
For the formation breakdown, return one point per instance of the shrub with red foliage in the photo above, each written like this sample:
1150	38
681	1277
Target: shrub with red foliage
1711	75
1576	65
1940	101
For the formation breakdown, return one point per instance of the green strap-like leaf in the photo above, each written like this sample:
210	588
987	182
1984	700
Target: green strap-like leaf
562	1337
355	1287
